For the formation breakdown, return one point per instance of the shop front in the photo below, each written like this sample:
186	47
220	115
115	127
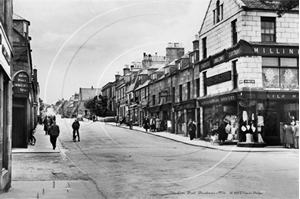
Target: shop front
166	110
153	111
183	112
265	112
218	109
21	111
276	108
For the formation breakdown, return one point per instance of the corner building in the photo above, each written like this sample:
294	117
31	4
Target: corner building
249	67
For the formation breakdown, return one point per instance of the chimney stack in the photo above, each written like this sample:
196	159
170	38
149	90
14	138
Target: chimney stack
117	76
126	70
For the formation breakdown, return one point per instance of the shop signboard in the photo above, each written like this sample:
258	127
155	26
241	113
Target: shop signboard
282	51
218	99
278	96
21	84
243	48
217	79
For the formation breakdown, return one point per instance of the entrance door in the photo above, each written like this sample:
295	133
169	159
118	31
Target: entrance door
19	127
271	132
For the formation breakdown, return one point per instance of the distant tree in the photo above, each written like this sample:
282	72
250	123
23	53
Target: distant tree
42	105
97	105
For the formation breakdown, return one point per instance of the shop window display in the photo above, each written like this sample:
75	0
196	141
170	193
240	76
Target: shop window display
251	122
221	121
180	122
280	73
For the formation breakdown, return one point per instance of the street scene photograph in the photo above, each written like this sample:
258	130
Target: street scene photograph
148	99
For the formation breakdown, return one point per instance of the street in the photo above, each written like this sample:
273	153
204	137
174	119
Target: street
125	163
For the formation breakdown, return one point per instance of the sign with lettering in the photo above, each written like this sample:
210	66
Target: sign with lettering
247	81
217	79
219	99
235	52
21	83
243	48
205	65
219	59
278	96
276	51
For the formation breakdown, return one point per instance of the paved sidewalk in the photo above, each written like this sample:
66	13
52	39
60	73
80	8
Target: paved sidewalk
49	189
42	145
201	143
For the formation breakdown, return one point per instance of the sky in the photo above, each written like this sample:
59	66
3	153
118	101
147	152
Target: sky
84	43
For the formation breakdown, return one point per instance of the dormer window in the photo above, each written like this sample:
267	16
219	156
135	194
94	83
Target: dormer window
154	75
167	70
218	13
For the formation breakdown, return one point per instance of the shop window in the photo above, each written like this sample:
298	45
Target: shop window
173	94
234	74
204	48
280	73
198	87
268	33
189	90
180	93
234	32
5	130
204	85
153	100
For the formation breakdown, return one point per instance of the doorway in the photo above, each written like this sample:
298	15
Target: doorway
271	132
19	124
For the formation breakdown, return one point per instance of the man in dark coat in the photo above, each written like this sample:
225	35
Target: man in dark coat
222	132
54	133
75	127
146	123
192	129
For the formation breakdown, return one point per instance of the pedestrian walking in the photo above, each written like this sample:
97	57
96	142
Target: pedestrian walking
75	127
192	129
296	135
54	133
288	135
222	132
46	125
117	120
146	123
158	122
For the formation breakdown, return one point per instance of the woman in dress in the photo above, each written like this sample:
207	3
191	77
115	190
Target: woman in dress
288	135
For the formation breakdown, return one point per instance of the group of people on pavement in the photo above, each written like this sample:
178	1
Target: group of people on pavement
52	129
289	134
154	125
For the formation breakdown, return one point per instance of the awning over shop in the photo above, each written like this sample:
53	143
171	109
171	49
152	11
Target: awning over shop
190	104
166	107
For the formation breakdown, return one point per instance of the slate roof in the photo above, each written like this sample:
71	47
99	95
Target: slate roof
17	17
143	85
259	4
